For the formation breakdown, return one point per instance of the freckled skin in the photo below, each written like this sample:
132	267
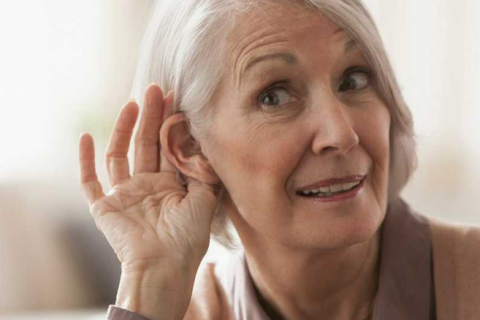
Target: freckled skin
264	155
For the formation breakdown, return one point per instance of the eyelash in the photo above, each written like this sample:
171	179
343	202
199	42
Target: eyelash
348	72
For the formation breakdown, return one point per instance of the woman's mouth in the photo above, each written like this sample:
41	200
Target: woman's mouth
333	192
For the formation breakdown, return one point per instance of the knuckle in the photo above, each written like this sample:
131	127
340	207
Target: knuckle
123	131
144	140
115	155
151	115
89	178
88	174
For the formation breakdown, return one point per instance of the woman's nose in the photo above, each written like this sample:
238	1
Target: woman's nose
334	129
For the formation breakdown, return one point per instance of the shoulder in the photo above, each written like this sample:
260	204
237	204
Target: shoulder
444	234
462	238
456	263
456	247
455	251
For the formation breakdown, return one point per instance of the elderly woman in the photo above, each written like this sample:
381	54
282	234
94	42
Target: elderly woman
284	118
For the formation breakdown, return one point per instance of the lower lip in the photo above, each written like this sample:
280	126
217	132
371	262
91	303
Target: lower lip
341	196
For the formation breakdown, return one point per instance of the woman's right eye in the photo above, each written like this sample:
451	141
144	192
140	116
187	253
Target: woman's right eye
276	97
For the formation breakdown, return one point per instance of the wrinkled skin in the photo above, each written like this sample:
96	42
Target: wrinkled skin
148	217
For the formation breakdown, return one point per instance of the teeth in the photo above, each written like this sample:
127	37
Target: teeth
350	185
336	187
331	189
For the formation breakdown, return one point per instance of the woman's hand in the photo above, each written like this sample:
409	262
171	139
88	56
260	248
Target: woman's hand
149	218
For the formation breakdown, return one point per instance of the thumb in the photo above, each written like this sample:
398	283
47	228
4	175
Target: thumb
196	186
202	198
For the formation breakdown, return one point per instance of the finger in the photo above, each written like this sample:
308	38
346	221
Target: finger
117	151
165	165
91	187
146	139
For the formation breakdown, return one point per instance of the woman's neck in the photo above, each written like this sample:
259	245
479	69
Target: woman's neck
338	284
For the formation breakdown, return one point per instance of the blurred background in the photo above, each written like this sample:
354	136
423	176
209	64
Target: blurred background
66	67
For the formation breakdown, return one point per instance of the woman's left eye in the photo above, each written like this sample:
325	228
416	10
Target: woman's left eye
356	80
275	97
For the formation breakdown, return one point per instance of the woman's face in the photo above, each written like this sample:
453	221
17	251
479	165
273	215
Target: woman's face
298	106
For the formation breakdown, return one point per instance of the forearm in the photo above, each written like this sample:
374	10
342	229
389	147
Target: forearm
158	293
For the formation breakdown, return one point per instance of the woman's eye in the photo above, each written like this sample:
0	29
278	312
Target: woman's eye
357	80
276	97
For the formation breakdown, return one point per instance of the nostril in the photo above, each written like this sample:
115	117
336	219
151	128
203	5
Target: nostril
328	148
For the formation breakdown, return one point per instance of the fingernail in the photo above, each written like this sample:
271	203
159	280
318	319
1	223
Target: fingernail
152	84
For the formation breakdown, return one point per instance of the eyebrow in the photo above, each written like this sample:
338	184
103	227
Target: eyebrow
288	58
351	44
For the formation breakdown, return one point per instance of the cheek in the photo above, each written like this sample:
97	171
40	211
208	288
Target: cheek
373	127
376	141
381	136
254	155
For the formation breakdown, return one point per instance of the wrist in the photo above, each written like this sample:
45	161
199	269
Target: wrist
155	290
159	266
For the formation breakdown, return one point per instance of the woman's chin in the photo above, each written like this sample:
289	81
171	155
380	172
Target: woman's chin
334	234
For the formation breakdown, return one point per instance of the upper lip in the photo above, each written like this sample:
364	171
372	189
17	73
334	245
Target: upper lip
327	182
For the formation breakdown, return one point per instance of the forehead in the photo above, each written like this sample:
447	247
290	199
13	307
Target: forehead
277	16
274	25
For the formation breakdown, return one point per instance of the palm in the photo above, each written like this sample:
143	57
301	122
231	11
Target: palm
149	215
147	210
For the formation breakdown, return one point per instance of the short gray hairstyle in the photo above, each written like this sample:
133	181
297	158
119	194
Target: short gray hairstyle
184	48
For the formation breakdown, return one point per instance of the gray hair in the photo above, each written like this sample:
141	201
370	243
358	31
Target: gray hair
186	42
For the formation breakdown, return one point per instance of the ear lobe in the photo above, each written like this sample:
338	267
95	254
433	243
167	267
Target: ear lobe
181	149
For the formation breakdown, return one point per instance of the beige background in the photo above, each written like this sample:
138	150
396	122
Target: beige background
67	67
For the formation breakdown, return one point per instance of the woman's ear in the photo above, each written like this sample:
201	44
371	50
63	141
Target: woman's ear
181	149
